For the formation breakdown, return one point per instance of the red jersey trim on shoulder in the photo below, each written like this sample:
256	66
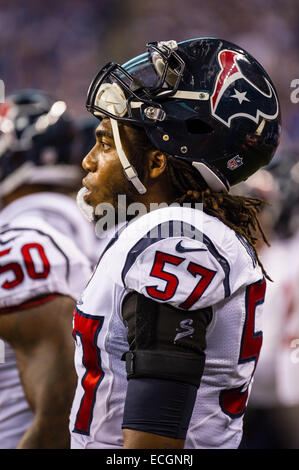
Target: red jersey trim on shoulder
29	304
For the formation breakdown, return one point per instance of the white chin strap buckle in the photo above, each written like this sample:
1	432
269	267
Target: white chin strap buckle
111	98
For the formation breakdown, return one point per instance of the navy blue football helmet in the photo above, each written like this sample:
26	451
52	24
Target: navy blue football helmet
36	142
203	100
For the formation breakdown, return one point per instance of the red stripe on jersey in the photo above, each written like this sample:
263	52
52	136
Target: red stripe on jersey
87	328
29	304
233	401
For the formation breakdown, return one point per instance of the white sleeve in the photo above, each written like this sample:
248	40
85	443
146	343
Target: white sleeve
183	272
37	260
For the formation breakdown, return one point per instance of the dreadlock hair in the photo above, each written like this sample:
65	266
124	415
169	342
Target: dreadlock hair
240	213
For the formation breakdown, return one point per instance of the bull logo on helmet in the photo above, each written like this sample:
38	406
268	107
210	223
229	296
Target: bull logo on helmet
242	97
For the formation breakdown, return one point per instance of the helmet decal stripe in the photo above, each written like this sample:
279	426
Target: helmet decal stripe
229	70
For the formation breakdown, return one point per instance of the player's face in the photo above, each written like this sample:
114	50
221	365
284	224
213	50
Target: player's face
105	178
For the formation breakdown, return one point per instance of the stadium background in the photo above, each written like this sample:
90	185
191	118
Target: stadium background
58	46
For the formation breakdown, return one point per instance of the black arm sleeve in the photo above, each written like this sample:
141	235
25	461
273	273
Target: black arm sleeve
164	342
164	365
160	407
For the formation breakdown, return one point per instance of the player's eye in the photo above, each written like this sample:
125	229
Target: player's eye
105	145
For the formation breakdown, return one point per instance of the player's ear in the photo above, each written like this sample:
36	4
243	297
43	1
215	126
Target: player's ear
157	163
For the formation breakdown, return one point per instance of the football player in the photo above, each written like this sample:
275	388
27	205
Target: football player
168	330
42	270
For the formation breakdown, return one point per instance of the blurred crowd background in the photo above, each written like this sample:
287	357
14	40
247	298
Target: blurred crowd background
59	46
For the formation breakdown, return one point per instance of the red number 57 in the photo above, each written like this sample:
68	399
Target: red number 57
159	271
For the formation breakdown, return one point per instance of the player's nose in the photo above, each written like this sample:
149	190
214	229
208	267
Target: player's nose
89	162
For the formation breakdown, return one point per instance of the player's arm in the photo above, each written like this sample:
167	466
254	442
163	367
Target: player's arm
167	315
142	440
42	339
164	368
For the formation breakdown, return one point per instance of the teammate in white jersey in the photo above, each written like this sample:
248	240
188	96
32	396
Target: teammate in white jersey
42	270
168	330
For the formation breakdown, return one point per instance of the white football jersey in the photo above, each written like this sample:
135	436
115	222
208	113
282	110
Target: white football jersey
190	260
36	259
59	211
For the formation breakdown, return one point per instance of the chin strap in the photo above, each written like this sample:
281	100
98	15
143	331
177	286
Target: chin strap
129	170
111	98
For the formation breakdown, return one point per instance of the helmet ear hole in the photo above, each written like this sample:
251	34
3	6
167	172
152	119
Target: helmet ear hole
197	126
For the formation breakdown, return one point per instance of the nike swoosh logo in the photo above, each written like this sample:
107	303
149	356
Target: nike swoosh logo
181	249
